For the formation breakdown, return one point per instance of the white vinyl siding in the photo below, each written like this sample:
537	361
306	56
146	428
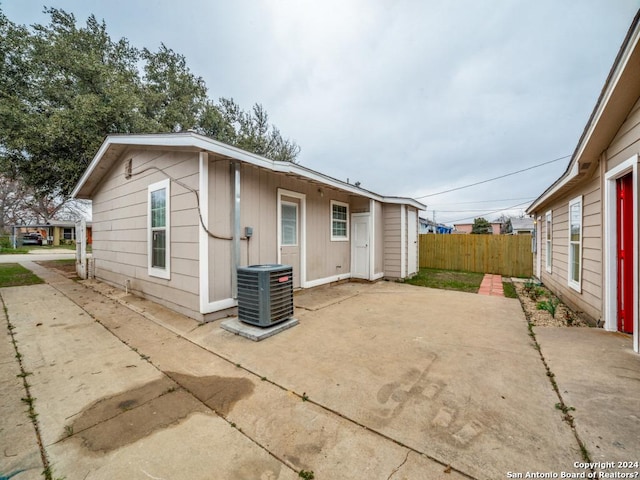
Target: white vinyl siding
339	221
159	228
575	243
548	241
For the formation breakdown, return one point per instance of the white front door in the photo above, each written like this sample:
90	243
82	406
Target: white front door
412	242
360	263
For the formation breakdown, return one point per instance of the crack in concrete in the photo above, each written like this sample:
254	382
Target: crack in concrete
228	360
562	406
395	470
29	399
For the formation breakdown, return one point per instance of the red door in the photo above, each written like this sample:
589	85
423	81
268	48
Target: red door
624	230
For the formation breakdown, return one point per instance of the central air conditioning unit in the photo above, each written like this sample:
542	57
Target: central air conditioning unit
265	294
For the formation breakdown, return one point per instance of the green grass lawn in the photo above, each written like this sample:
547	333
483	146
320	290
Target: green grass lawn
13	251
13	275
509	290
447	280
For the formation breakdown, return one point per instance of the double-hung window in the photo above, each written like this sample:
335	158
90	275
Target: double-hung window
548	237
159	229
575	243
339	221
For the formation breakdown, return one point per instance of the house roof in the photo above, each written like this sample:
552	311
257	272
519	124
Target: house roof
619	94
522	223
115	145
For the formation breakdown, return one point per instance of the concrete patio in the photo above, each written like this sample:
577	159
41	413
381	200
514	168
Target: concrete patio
382	380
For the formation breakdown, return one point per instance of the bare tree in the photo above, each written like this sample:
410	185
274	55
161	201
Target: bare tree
20	205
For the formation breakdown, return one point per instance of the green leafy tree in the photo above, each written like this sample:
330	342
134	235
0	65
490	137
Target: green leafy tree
250	131
75	85
481	226
64	87
172	96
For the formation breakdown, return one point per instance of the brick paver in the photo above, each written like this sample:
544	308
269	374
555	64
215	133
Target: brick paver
491	285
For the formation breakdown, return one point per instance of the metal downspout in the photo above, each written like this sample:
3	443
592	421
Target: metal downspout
235	249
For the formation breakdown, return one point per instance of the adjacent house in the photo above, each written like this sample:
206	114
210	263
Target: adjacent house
468	228
521	226
429	226
175	214
587	221
54	232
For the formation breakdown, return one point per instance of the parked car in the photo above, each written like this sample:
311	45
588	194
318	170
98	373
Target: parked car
32	239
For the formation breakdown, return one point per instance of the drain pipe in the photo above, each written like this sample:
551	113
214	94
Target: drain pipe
235	248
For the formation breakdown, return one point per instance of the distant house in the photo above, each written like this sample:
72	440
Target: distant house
468	227
587	221
54	232
521	226
174	215
429	226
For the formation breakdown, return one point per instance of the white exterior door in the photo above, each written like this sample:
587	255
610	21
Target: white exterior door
360	245
412	242
290	237
291	215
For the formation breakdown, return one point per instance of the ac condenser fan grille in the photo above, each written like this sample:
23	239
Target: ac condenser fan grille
265	294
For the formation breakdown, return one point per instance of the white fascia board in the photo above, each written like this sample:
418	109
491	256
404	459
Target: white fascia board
610	88
559	185
87	173
599	109
194	140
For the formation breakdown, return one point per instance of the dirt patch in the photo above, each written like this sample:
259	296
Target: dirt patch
530	299
218	393
64	267
127	417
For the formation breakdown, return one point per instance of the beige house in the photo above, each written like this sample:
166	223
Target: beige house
175	214
587	221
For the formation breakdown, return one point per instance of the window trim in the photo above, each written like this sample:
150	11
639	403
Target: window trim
157	271
339	238
548	241
574	284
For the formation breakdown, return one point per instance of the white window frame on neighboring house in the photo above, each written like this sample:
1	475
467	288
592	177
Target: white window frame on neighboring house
548	225
339	237
156	229
575	246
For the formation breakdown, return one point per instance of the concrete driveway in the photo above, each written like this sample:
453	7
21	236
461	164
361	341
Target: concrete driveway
385	381
37	255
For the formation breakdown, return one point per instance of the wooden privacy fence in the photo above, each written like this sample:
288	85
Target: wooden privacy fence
508	255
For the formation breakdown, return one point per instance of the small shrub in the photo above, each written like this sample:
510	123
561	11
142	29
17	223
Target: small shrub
568	317
550	306
5	243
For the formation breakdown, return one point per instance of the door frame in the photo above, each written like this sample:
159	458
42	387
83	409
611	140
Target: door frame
353	244
302	227
412	232
610	287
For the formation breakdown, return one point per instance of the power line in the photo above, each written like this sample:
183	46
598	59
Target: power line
489	213
483	201
495	178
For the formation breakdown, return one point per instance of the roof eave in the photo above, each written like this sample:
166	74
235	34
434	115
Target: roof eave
196	141
582	161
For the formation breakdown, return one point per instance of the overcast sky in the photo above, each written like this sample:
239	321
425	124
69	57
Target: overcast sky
410	98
